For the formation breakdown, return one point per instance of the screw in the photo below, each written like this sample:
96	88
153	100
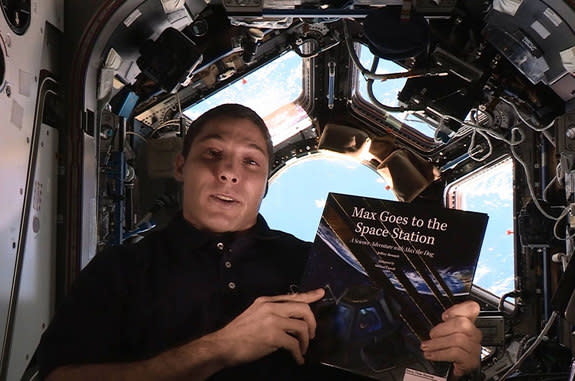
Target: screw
8	91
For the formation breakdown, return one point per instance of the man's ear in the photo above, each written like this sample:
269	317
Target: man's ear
179	168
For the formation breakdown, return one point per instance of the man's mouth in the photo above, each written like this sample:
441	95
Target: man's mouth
225	198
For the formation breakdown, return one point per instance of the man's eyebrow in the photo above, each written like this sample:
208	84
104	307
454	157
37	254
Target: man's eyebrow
210	136
219	137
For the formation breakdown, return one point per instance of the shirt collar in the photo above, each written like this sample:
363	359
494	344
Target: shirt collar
185	235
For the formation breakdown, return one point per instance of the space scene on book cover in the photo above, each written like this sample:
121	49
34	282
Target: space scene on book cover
389	270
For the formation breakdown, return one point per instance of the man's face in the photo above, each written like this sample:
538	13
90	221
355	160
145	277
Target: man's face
224	175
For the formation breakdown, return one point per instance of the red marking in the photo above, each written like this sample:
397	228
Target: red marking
244	81
387	187
509	232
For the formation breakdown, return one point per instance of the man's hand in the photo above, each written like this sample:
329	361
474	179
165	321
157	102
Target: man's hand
270	323
456	340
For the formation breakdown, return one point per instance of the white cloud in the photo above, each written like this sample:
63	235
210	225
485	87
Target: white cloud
504	285
496	182
480	272
320	203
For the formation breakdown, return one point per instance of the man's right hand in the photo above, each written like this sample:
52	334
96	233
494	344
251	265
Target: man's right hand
270	323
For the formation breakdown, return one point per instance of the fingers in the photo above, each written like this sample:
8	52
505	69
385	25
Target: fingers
468	309
269	323
463	362
464	355
295	306
302	297
299	322
292	345
300	314
454	325
456	340
299	330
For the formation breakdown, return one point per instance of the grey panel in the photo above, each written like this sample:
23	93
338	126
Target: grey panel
89	201
37	281
23	60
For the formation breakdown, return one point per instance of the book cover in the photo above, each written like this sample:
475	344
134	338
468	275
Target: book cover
389	270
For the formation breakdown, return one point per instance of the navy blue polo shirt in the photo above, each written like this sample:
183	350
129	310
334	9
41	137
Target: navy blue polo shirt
177	284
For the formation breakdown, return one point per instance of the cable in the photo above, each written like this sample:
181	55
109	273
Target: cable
529	183
163	125
556	224
515	131
371	74
181	116
488	131
503	297
371	95
138	135
472	143
315	51
539	129
532	347
513	142
553	181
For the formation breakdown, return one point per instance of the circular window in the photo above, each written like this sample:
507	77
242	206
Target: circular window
17	13
297	192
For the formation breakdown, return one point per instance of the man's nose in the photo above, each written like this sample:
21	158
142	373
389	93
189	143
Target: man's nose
228	171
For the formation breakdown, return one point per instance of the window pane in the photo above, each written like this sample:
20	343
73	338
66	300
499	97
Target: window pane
386	91
297	192
491	191
270	91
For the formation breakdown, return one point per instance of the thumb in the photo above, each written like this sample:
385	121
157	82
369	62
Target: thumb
468	309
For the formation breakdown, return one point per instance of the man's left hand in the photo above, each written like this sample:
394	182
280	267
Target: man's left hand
456	339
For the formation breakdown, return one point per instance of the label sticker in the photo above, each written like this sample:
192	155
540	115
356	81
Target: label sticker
552	16
416	375
132	17
540	29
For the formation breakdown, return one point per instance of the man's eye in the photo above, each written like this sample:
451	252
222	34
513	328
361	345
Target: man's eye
214	153
251	162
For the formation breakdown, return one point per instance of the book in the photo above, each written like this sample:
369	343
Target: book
389	270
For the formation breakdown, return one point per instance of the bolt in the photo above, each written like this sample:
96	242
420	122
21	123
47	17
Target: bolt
571	132
8	91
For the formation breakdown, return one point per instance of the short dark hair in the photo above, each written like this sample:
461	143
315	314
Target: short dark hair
231	111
